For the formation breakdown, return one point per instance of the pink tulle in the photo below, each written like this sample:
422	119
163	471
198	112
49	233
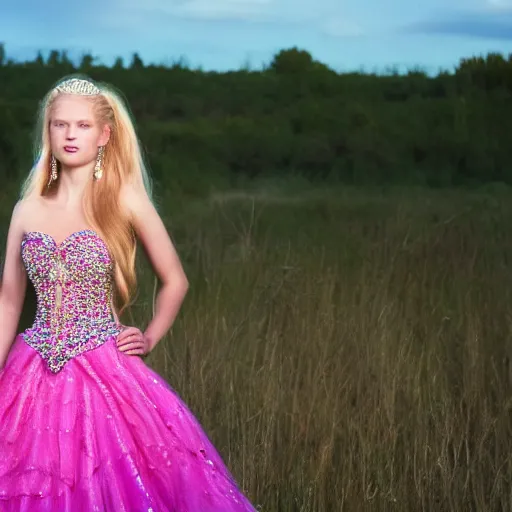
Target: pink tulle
106	433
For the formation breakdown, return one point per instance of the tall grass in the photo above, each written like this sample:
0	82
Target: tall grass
349	350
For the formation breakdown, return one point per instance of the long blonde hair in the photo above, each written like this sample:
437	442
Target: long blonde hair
122	163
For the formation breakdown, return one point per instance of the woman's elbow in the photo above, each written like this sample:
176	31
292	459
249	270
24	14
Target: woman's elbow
178	282
183	284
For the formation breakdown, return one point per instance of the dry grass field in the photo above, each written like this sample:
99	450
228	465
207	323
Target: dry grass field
348	350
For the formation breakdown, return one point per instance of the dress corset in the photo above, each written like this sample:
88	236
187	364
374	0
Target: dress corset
74	285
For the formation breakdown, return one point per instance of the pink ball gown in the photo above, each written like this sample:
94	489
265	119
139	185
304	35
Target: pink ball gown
85	427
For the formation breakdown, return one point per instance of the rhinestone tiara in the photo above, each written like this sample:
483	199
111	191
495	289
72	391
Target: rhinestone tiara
78	86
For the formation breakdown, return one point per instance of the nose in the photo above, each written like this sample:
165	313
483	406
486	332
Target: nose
70	133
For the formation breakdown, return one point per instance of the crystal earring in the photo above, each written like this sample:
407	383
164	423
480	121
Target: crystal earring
98	168
53	166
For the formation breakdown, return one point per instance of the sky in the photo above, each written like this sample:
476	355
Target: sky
347	35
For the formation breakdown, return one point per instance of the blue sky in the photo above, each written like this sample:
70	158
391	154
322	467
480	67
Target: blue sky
226	34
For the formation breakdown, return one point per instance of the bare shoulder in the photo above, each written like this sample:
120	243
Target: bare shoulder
23	211
135	202
153	234
17	227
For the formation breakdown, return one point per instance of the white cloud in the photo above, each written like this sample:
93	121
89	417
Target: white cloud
212	9
325	17
232	9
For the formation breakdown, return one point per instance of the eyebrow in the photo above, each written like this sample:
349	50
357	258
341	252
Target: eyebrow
57	120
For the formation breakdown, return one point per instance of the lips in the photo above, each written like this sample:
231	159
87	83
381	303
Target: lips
70	149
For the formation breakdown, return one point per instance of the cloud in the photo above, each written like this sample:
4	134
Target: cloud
285	16
239	9
219	10
482	25
50	19
499	5
324	15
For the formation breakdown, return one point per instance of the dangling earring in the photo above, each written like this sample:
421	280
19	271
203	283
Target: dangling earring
53	173
98	168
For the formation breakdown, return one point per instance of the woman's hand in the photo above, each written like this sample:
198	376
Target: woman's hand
132	341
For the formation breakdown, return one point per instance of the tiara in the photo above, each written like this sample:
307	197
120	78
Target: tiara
78	86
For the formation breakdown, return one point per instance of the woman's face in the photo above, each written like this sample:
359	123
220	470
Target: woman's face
75	133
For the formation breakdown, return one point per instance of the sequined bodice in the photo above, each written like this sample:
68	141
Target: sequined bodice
73	283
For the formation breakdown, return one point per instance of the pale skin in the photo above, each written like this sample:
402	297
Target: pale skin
73	124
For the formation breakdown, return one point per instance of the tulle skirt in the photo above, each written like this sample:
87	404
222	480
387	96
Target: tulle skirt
104	434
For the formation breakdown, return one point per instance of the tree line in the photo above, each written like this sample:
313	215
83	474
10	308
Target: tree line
293	116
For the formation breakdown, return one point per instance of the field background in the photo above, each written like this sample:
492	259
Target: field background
345	345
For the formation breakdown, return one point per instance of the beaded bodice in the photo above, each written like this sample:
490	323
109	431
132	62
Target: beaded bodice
73	283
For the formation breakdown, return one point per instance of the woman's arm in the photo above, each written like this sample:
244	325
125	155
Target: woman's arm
165	261
13	284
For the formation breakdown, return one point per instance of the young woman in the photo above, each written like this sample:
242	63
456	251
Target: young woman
85	425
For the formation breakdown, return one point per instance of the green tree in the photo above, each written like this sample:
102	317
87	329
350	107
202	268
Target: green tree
136	62
54	59
118	64
86	63
292	61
